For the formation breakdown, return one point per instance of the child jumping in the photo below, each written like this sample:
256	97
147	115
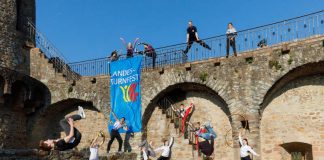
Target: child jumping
166	149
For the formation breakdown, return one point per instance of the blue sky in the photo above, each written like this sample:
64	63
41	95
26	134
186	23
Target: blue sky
88	29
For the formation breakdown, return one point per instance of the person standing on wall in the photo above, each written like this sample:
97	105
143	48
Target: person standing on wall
114	133
192	36
230	40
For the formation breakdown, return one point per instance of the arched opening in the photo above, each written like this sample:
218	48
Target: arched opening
292	111
20	93
209	106
298	150
45	124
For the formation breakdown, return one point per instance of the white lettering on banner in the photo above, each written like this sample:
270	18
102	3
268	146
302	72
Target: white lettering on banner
123	73
122	80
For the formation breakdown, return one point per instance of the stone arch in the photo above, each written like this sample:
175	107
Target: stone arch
292	111
20	92
45	124
298	150
207	104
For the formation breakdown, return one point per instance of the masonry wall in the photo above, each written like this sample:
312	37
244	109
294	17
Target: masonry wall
243	85
296	114
13	52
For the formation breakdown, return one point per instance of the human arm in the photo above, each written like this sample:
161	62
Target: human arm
93	143
171	141
196	33
123	41
253	152
158	149
114	115
187	37
240	139
71	134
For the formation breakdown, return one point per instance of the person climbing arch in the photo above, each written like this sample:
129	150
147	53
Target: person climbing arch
130	48
149	51
245	148
72	138
183	112
166	149
147	149
94	146
114	133
192	36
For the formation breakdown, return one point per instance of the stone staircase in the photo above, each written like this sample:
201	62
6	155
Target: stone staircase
185	143
45	69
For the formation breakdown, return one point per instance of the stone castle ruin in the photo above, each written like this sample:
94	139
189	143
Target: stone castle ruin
274	93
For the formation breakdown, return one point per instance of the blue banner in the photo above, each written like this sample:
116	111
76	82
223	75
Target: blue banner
125	92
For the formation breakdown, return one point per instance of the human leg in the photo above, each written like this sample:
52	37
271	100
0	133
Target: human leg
232	43
202	43
227	47
120	141
112	138
189	44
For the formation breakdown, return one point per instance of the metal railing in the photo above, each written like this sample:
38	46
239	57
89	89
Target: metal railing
54	56
293	29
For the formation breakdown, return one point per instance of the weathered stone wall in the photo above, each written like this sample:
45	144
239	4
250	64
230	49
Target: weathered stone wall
243	85
13	53
294	115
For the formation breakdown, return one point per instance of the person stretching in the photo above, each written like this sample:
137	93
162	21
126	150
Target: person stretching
245	148
129	47
114	133
72	138
184	113
166	153
94	154
192	36
147	149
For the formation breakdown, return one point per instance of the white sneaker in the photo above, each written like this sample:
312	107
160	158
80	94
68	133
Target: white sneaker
81	112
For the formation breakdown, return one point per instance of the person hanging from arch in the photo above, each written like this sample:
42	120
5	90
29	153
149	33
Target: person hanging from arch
73	135
206	132
114	133
192	36
94	146
183	112
147	150
149	51
166	149
245	149
130	48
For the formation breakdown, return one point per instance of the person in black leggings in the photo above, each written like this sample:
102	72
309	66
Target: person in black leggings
114	133
73	135
192	36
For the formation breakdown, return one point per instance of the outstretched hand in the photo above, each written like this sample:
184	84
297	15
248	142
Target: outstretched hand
70	121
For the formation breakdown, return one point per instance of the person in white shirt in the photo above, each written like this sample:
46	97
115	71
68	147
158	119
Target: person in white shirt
166	149
114	133
245	148
230	40
94	154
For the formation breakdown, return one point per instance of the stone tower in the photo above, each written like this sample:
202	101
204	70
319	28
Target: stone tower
13	23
